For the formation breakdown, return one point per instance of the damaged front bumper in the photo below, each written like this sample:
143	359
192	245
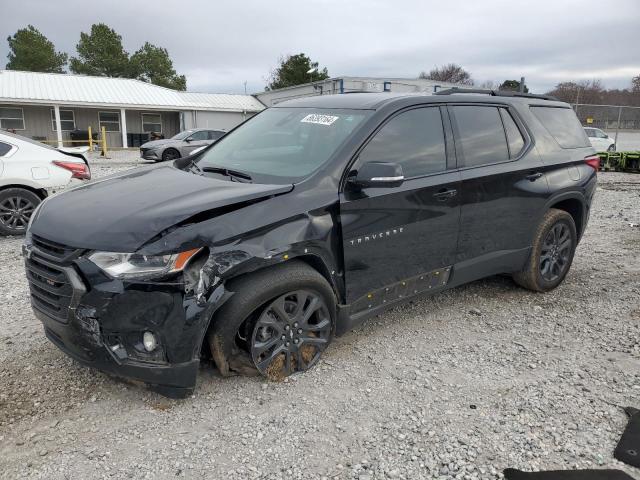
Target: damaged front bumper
100	321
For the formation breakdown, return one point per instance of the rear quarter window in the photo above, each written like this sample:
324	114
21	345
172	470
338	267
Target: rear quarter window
563	125
4	149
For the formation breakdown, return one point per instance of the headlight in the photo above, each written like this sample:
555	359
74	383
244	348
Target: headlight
134	265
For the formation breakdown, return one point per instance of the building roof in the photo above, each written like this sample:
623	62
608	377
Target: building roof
67	89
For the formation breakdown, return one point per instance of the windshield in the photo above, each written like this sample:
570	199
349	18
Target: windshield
283	144
182	135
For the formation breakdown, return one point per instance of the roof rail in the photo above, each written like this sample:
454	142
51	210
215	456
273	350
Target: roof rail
494	93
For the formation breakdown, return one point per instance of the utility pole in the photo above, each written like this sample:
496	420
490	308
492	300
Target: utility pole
245	87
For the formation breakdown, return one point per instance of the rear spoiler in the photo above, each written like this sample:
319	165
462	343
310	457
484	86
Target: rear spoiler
78	152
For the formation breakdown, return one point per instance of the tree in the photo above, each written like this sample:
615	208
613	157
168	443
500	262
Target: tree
101	53
635	84
295	70
451	73
586	91
152	64
512	85
31	51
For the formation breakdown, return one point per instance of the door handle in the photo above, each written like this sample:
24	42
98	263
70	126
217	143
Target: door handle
532	177
445	194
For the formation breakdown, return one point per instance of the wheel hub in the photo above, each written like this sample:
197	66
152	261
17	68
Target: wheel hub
555	252
15	212
290	334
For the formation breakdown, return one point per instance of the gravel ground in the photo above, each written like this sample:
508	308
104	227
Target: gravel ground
460	385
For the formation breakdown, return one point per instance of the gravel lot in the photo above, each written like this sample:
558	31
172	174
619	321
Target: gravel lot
460	385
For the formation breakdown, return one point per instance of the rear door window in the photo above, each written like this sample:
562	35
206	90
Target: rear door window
480	135
515	139
201	135
4	149
413	139
563	125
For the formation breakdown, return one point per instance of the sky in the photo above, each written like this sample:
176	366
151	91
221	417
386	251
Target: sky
219	44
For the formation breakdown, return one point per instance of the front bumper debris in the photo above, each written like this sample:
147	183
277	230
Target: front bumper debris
99	321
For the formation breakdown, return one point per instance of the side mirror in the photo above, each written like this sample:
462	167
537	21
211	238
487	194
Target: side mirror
188	139
378	175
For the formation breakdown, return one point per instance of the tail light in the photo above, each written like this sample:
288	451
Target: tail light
593	161
78	170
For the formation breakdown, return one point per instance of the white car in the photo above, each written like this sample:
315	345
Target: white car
600	140
31	171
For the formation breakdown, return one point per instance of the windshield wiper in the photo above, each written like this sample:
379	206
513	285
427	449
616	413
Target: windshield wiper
227	172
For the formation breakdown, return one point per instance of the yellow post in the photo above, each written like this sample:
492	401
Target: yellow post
90	140
104	142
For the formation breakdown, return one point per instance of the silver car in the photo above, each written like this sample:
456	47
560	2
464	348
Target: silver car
180	145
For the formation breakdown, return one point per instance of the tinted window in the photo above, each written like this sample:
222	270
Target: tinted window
4	149
480	137
514	135
563	125
590	132
413	139
215	134
201	135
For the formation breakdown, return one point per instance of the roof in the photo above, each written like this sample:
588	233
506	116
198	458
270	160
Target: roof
373	101
66	89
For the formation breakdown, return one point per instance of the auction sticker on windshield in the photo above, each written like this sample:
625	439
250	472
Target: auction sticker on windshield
319	119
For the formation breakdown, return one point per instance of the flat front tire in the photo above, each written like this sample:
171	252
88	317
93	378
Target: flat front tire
554	245
278	322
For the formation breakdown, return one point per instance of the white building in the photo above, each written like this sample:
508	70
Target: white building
33	104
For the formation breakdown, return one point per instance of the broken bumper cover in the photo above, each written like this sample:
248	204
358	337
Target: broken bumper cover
171	380
100	322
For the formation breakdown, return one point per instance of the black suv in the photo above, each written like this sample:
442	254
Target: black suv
301	223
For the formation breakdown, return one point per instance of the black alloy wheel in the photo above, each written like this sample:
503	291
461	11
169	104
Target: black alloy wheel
291	334
170	154
555	254
16	207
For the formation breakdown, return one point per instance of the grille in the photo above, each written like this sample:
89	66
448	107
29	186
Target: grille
50	287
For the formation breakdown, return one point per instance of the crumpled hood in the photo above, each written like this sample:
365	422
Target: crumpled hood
158	143
122	213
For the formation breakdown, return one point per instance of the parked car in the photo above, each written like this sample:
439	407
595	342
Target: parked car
301	223
600	140
180	145
31	171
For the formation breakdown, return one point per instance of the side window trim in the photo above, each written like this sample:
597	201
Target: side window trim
503	112
446	133
528	142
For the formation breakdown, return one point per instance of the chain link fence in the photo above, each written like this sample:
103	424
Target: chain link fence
620	122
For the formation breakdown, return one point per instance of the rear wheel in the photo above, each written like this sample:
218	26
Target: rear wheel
612	148
554	245
170	154
278	322
16	207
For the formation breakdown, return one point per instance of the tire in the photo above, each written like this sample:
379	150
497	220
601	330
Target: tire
241	321
612	148
170	154
16	207
540	274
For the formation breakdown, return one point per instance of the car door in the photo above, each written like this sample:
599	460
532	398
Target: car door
195	140
602	140
392	237
503	189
